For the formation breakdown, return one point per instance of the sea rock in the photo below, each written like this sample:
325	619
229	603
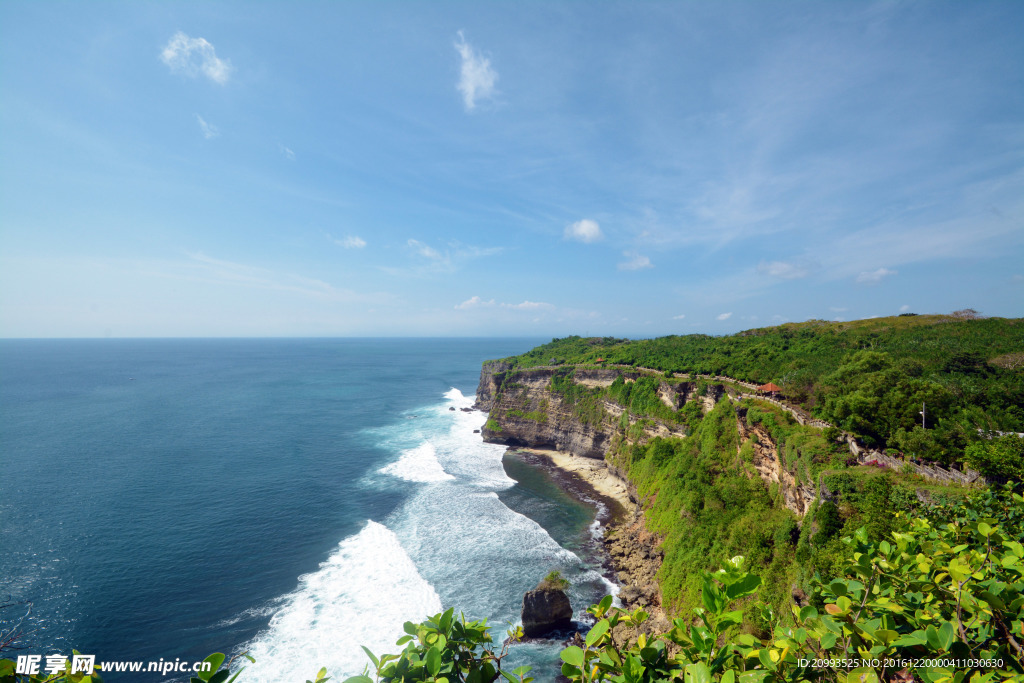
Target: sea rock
546	609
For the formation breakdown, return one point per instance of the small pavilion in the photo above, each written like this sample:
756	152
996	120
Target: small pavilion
769	388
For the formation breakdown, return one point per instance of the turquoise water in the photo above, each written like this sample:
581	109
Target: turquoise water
293	498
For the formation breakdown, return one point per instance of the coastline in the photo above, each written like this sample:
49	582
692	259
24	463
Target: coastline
584	478
631	555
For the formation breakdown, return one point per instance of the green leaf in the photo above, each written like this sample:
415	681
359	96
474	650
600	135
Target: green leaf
220	676
446	619
572	655
946	635
215	660
728	677
808	612
605	604
433	660
698	673
599	629
745	586
862	675
376	662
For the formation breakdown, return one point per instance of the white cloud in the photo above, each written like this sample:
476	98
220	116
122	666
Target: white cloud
781	269
351	242
477	77
678	317
904	308
875	276
529	305
635	262
289	155
838	309
474	302
447	261
425	251
585	230
724	316
195	56
210	131
477	302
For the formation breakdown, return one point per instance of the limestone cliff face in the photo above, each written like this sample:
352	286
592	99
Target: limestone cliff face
797	496
523	411
491	375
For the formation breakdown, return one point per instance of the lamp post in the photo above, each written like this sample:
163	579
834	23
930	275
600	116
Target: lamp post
922	415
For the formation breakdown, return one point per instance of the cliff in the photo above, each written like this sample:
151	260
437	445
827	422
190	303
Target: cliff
525	411
575	410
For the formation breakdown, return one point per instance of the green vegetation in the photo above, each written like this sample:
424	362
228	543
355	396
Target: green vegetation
1001	458
554	581
868	377
940	599
585	401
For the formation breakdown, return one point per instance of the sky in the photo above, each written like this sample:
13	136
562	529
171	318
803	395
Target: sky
223	169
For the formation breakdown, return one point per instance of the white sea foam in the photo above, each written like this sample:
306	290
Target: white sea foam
455	536
361	595
418	464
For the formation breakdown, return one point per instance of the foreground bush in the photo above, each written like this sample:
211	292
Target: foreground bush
941	601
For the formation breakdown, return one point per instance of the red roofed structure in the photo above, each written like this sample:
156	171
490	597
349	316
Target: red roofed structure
769	388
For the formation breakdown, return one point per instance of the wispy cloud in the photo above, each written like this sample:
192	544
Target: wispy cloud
529	305
288	153
195	56
474	302
425	251
678	317
433	260
477	302
351	242
872	277
904	308
635	262
477	77
210	131
585	230
724	316
218	271
783	270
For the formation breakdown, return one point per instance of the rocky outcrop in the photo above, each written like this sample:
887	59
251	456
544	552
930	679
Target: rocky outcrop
546	609
796	495
491	375
524	412
636	554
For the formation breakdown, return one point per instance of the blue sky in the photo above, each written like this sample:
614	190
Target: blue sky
493	169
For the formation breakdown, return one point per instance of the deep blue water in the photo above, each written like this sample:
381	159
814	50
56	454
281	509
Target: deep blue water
294	498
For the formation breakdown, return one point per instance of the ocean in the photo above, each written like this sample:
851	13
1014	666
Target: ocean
165	499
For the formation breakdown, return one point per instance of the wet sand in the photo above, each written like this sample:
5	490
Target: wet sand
582	478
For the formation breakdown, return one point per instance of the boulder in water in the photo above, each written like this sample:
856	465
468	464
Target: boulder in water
546	608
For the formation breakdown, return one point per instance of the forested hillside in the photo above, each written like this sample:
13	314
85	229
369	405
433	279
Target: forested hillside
867	377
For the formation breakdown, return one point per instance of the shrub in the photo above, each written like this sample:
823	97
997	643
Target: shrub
553	581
